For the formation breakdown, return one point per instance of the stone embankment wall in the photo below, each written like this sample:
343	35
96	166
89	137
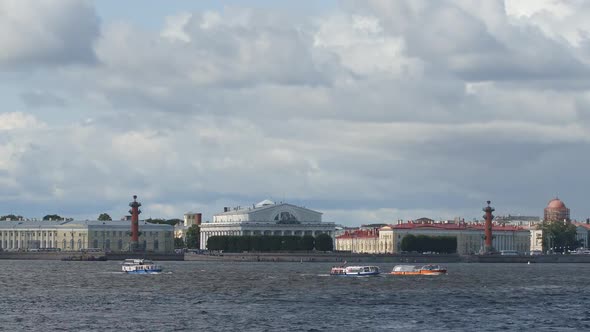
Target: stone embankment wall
527	259
306	257
321	257
148	255
41	255
360	258
64	255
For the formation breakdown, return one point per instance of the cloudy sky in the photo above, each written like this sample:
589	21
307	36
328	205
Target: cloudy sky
367	111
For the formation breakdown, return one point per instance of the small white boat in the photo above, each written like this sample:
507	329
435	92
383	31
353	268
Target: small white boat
140	266
354	271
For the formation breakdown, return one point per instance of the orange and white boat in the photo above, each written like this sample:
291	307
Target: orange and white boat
428	270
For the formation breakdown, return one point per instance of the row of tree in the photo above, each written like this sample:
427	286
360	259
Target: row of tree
193	238
322	242
164	221
424	243
559	236
101	217
14	217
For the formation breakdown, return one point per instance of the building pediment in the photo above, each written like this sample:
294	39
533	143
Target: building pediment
282	213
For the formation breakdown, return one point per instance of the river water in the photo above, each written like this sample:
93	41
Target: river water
225	296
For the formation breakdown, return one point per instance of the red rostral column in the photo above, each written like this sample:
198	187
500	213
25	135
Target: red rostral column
488	228
135	211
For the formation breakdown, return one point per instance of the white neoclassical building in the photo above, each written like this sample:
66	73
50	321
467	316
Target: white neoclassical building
81	235
266	218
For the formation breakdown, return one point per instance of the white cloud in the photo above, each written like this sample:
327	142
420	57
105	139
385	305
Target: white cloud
46	32
18	120
369	113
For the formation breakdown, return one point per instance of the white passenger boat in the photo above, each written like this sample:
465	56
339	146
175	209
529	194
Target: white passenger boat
354	271
140	266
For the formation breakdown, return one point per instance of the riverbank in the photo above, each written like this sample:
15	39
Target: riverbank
297	257
322	257
372	258
89	256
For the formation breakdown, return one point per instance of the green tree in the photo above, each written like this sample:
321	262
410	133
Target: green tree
11	217
275	242
422	243
232	243
559	236
178	243
215	243
307	242
324	242
256	243
290	243
243	243
174	221
104	217
193	236
52	217
409	243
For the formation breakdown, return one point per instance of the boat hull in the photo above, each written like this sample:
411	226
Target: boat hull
144	271
417	270
419	273
355	271
355	274
140	266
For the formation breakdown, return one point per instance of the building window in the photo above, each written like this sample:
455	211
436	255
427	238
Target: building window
79	244
108	244
64	244
95	244
120	245
156	245
72	244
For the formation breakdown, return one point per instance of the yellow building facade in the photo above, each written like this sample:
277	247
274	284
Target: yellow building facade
83	235
470	238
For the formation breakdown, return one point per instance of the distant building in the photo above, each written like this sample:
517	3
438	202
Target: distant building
518	220
80	235
556	211
362	241
582	233
470	237
190	219
266	218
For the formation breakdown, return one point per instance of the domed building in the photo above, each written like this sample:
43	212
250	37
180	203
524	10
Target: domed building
266	218
556	211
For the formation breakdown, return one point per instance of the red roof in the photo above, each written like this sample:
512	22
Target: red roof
579	224
461	226
374	233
